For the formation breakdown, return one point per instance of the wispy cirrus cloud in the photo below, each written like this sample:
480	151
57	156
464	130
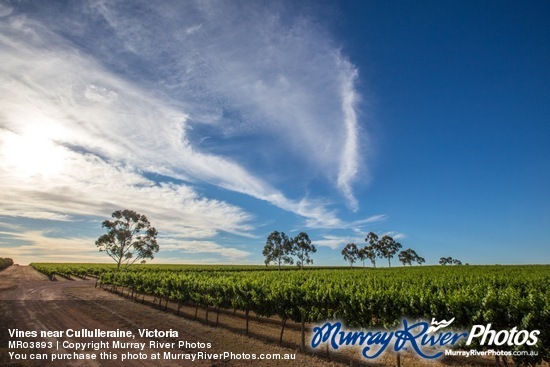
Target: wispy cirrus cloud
39	246
184	246
288	85
101	97
356	225
336	242
395	235
339	241
88	185
99	111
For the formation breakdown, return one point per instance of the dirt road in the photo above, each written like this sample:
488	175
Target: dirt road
29	301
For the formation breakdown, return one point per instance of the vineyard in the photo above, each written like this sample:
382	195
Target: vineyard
504	296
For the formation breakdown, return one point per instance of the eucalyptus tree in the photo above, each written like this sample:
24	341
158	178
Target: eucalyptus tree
408	256
388	248
373	250
130	238
278	249
362	255
302	247
350	253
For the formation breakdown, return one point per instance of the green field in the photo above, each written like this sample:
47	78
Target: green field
504	296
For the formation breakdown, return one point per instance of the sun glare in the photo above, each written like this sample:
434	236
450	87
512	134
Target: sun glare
30	154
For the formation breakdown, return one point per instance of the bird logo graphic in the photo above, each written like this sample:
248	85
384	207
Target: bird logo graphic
439	325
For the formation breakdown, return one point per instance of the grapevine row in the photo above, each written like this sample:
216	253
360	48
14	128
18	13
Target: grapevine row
83	269
506	297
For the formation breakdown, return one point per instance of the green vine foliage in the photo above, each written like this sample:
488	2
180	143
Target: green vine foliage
503	296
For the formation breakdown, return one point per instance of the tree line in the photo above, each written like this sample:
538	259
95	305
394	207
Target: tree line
380	248
449	261
280	249
131	237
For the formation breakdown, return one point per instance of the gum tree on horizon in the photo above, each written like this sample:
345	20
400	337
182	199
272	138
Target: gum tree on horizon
372	251
302	247
449	261
130	238
350	253
388	248
278	249
408	256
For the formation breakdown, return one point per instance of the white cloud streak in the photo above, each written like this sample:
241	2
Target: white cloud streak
349	160
395	235
336	242
205	247
39	246
288	85
89	107
95	102
90	186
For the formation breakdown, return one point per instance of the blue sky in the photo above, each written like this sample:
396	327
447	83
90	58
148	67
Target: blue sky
223	121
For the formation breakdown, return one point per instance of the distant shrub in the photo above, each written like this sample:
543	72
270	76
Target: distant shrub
5	262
